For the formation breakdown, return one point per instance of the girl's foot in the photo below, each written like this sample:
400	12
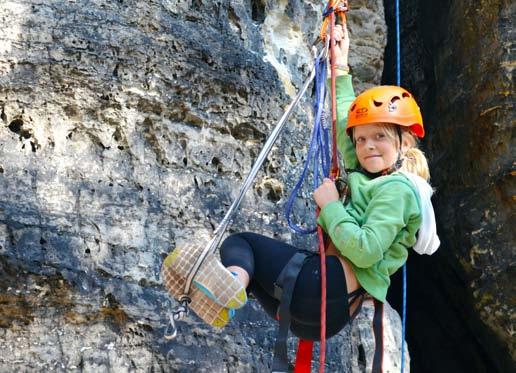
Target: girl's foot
212	278
207	309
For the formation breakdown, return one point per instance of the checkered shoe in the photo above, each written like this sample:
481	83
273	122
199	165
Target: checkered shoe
207	309
212	277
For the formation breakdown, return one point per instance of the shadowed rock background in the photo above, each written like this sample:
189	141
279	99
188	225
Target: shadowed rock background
127	127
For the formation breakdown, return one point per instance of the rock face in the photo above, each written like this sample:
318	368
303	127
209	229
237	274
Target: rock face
127	127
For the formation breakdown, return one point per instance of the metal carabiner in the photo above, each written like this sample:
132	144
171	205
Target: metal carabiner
177	315
171	335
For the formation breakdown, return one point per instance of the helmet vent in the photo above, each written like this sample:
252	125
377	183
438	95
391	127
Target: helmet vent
394	99
377	103
353	107
406	95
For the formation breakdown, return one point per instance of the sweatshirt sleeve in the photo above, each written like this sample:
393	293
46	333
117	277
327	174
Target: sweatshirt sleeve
386	215
344	97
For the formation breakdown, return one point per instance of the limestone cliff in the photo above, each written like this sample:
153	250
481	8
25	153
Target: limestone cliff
126	128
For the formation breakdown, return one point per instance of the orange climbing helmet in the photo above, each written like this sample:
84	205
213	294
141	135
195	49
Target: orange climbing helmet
386	104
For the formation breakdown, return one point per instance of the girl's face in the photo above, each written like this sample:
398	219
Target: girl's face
375	150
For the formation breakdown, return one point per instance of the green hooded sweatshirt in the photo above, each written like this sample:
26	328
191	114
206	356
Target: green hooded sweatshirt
378	224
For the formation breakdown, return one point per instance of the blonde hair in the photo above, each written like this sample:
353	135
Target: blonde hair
414	160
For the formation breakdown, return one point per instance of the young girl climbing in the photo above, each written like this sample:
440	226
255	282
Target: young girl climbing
388	212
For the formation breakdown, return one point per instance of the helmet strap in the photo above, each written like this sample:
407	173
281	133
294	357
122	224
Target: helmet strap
395	167
400	138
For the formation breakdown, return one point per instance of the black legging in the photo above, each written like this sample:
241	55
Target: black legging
264	258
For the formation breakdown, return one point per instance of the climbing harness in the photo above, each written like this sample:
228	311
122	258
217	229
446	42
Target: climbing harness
378	336
284	288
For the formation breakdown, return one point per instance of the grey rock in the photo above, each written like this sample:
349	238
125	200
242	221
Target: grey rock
127	128
363	341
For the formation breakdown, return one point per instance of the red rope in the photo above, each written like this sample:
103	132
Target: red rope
334	173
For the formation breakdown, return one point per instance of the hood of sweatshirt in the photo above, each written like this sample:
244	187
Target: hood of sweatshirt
427	239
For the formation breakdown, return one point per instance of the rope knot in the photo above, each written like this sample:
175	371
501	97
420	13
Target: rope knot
339	7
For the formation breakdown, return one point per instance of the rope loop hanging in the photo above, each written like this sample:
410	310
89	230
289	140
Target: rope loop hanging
318	149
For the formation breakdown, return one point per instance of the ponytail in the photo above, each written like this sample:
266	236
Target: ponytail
415	162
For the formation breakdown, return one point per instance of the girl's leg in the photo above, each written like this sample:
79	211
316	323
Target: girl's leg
264	258
248	252
306	300
261	257
238	254
351	279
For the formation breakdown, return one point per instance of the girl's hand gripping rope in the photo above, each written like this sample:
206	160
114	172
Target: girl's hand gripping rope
326	192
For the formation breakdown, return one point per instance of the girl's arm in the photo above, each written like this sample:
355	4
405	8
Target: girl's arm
388	212
344	96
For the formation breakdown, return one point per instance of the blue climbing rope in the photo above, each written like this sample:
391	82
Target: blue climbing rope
398	63
404	291
319	148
